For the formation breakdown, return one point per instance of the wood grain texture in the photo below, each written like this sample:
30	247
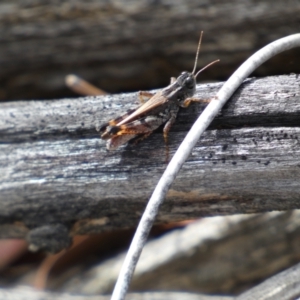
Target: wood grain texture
217	256
138	45
55	171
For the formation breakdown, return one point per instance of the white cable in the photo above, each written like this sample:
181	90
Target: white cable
184	151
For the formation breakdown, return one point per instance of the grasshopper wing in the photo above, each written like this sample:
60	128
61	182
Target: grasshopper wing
157	100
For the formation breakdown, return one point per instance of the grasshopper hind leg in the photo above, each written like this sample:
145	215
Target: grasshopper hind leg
140	137
119	140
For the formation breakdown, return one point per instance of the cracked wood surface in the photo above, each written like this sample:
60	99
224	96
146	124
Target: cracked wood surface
57	178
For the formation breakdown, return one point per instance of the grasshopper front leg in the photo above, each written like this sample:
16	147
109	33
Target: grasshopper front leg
166	130
188	101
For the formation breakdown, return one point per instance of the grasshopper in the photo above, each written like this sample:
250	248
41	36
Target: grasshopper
161	108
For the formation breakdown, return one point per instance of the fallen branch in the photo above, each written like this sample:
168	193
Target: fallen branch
56	171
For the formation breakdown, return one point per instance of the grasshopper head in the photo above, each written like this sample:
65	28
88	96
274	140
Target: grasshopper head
187	80
188	83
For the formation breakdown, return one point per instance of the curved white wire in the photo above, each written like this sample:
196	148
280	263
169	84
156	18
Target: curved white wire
183	152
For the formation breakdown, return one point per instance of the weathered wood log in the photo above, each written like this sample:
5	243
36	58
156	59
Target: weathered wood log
284	286
129	46
57	178
200	257
217	256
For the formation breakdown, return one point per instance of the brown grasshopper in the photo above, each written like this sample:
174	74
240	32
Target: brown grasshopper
161	108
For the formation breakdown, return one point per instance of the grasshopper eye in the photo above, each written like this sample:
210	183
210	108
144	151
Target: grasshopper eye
189	82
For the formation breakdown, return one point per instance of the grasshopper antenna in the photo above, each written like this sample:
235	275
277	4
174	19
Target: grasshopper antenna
197	53
215	61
